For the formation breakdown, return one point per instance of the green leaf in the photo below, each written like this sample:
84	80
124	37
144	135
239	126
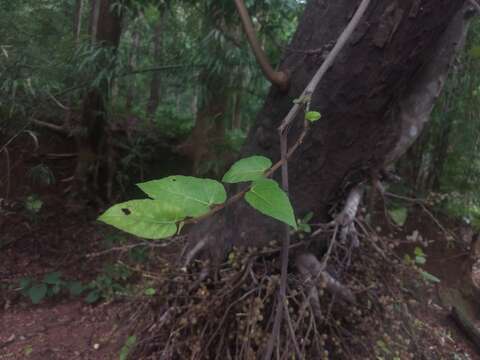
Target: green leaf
399	215
420	260
267	197
52	278
194	195
150	291
24	283
93	296
429	277
127	347
313	116
37	293
28	350
76	288
475	52
419	251
248	169
33	204
149	219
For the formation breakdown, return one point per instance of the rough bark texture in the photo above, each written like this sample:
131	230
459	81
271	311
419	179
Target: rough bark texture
357	99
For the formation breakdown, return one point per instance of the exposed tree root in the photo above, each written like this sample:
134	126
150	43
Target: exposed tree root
343	312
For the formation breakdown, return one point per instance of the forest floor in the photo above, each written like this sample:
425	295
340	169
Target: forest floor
61	238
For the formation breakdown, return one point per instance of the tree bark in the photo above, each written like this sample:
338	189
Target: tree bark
359	100
91	138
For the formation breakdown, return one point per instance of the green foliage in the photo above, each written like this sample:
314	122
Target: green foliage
109	284
51	285
267	197
150	291
399	215
313	116
177	198
419	259
304	226
127	347
248	169
193	196
33	204
149	219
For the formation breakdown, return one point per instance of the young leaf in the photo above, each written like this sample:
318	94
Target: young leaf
37	293
399	215
194	195
127	347
248	169
150	291
313	116
149	219
429	277
267	197
52	278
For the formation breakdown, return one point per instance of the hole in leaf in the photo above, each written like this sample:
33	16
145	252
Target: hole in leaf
174	179
126	211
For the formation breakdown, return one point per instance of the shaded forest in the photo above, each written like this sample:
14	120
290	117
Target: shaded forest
239	179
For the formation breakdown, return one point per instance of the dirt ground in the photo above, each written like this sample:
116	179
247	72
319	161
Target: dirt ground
61	235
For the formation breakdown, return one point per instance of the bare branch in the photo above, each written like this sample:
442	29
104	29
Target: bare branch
57	128
341	42
277	78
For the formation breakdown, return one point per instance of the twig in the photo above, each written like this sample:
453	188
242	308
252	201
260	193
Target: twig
57	128
285	251
341	42
292	332
277	78
56	101
124	248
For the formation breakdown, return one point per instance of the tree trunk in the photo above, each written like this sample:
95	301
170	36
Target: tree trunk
360	99
132	60
77	22
237	113
94	16
91	139
155	84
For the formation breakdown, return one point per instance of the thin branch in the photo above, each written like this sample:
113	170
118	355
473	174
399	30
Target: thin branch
285	252
57	128
277	78
125	248
56	101
341	42
292	332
